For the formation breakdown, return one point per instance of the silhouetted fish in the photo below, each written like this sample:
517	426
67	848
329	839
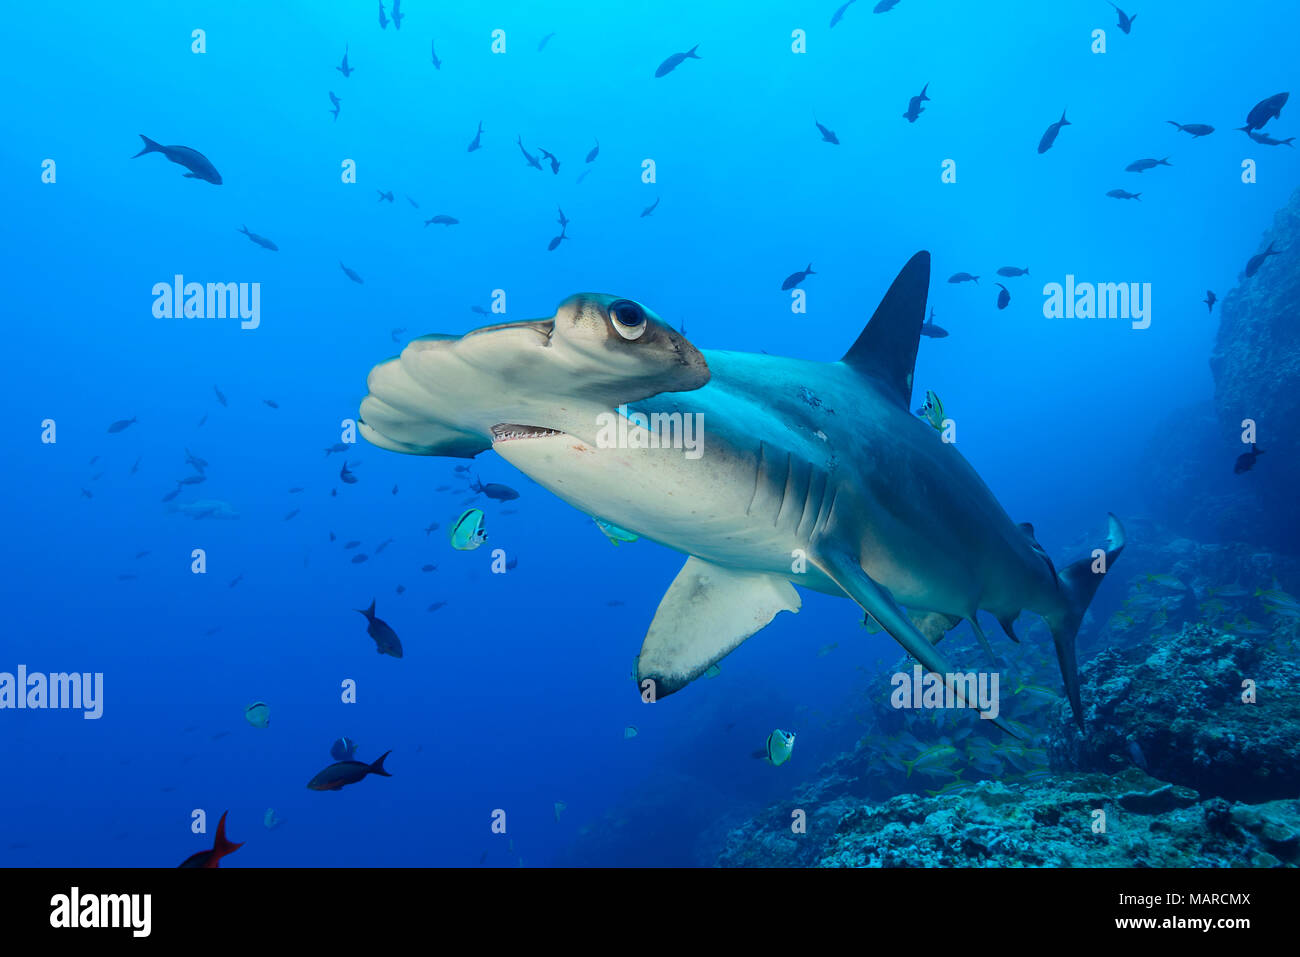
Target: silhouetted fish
1252	266
198	165
1265	110
220	848
351	275
541	44
260	240
795	278
532	160
1125	21
839	14
442	220
1138	166
595	151
650	209
476	142
964	277
914	107
1246	460
347	772
386	640
1004	297
1196	129
344	68
1049	137
674	61
550	157
1209	300
1124	194
121	424
433	53
828	135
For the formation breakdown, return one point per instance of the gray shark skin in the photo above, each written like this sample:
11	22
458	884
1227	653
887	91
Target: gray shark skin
812	473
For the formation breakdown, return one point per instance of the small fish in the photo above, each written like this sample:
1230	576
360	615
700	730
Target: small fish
346	475
220	398
271	820
795	278
202	420
1135	752
236	580
193	460
383	24
674	61
555	242
400	589
291	514
614	533
433	527
1196	129
198	165
1265	140
140	555
964	277
467	532
532	160
428	568
336	447
884	6
296	489
335	101
258	714
933	331
650	209
386	640
1004	297
1049	137
396	334
433	53
477	141
166	498
479	310
382	545
595	151
192	480
272	403
1124	194
839	14
1246	460
135	467
1125	21
460	468
121	424
494	490
385	196
260	240
442	220
394	489
932	411
343	749
348	546
1013	271
1138	166
914	107
344	68
333	537
97	476
780	745
360	557
1265	110
436	605
351	275
344	773
550	157
398	17
541	44
828	135
411	201
1252	267
825	650
220	848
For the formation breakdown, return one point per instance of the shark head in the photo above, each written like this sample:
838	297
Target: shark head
534	379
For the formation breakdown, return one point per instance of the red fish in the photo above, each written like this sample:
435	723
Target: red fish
220	848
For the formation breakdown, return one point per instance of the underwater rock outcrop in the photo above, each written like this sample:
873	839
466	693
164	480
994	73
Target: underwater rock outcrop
1255	363
1175	708
1143	823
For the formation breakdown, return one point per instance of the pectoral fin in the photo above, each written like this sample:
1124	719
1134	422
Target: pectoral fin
876	600
704	616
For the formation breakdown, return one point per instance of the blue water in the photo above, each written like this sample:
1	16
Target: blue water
515	695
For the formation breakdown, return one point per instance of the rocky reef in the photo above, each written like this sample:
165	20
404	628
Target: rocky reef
1255	363
1073	820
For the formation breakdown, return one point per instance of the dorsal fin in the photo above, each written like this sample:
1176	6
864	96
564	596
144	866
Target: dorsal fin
886	349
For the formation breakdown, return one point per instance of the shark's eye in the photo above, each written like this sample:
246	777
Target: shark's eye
627	318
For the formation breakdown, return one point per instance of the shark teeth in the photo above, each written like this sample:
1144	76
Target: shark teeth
508	432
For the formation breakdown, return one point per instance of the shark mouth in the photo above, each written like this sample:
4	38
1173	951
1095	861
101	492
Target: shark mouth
510	432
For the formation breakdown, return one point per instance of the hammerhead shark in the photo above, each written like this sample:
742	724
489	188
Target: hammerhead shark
810	473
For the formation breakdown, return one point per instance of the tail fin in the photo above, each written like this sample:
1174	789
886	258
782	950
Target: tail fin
378	766
1064	121
1172	123
691	52
1165	162
808	271
370	614
1078	583
1138	197
149	146
244	230
222	846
